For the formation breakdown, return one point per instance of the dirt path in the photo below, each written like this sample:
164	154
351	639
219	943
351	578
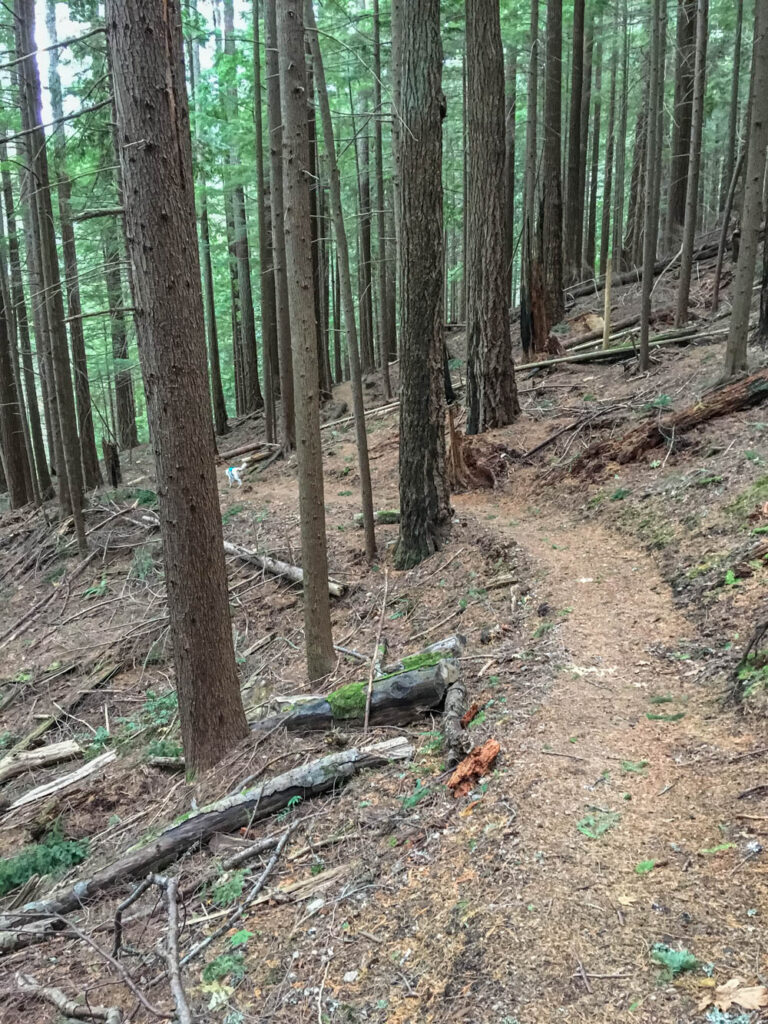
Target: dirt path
538	901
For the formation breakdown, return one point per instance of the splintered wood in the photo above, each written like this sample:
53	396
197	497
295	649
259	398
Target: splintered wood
474	766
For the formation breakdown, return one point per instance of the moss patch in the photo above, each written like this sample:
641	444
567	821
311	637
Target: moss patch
756	494
753	673
348	701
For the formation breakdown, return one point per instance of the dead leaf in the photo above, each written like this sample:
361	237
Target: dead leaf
734	992
474	766
626	901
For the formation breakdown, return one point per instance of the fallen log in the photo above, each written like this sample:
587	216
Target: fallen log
448	647
621	351
224	815
245	449
456	740
660	430
24	760
704	252
277	568
384	517
65	781
597	335
395	699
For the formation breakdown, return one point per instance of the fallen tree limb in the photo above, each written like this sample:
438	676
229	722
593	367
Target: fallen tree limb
261	447
393	700
378	411
225	815
658	430
621	351
65	781
170	887
27	985
277	568
95	680
456	740
704	252
24	760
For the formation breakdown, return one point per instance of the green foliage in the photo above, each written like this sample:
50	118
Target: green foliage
228	889
709	851
227	965
659	402
662	699
596	824
142	564
434	744
637	767
414	798
542	629
674	961
97	590
645	866
731	579
160	708
229	515
6	739
164	748
754	495
52	855
403	607
290	806
98	742
665	718
240	938
753	673
620	494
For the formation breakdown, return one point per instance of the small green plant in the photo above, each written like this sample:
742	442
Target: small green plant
160	708
477	720
659	402
542	629
410	801
97	590
240	938
595	825
620	494
227	965
731	579
434	744
753	673
403	606
6	739
662	699
645	866
142	564
317	868
52	855
164	748
709	851
98	742
229	515
291	805
344	494
665	718
752	456
228	889
674	961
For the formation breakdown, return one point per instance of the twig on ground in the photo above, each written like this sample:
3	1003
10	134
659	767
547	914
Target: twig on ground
68	1007
171	952
375	658
557	753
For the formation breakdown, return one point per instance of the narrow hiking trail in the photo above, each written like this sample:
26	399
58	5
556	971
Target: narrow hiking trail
571	935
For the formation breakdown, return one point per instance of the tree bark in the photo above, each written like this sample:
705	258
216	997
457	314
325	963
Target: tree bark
573	206
252	396
682	121
266	270
13	447
633	239
42	220
150	98
620	146
694	168
552	204
424	500
605	228
381	203
529	185
733	117
345	285
491	391
591	232
19	304
736	350
338	369
287	410
509	172
88	453
653	159
125	411
298	242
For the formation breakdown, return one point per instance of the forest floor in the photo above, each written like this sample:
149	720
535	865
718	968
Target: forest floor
629	803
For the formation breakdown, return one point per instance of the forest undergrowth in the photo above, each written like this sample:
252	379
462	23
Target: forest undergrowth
610	863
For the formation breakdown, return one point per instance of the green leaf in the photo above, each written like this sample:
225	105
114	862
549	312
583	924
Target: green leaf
645	866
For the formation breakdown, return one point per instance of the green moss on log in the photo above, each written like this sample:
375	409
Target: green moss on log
348	701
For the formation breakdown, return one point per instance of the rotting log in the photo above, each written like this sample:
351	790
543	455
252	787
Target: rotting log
660	430
261	447
449	647
25	760
594	285
225	815
456	740
395	699
620	351
275	567
65	781
383	517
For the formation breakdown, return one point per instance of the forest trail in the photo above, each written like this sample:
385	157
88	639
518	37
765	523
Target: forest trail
576	918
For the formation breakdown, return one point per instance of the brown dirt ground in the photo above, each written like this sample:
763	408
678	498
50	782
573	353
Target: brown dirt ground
494	908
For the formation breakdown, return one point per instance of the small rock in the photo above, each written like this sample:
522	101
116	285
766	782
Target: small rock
350	977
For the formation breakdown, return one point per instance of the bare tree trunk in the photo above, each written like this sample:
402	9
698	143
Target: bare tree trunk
125	412
682	121
491	391
586	106
326	384
31	108
266	270
88	454
12	441
381	201
19	304
736	350
338	370
724	229
651	206
293	92
147	58
509	171
694	168
345	285
573	210
733	118
605	228
591	232
621	143
424	502
287	417
529	184
251	385
552	206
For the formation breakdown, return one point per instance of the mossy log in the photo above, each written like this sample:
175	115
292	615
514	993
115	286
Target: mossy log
225	815
395	700
456	740
657	431
383	517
